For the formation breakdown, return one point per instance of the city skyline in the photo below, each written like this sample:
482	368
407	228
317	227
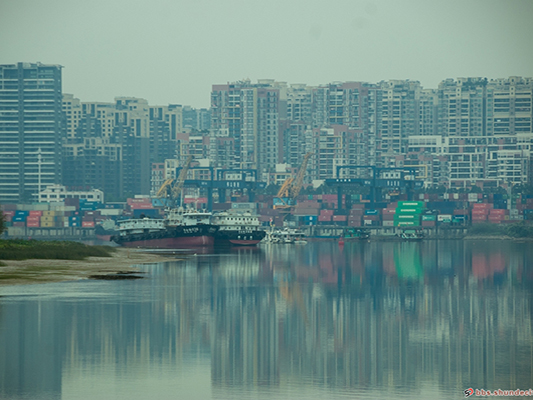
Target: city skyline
469	131
171	53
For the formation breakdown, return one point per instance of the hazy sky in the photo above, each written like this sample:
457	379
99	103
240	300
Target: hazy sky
173	51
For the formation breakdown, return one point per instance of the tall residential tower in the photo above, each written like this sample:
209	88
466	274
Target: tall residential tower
31	130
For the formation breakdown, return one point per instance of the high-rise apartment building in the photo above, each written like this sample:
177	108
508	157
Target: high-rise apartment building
196	119
249	114
31	129
462	107
111	146
509	106
165	124
397	115
428	111
299	104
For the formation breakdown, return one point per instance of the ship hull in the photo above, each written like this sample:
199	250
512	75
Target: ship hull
180	237
238	238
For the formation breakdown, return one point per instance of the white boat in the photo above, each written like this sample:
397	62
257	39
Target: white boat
237	228
285	236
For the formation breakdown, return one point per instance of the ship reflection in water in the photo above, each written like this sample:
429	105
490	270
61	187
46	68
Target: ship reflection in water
366	320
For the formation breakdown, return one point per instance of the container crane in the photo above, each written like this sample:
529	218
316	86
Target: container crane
172	187
291	187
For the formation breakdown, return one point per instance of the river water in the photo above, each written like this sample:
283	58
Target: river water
375	320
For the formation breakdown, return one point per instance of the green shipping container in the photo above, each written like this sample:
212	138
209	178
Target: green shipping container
429	217
409	211
406	223
406	217
420	204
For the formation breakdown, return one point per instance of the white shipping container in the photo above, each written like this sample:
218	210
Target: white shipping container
244	206
110	211
62	208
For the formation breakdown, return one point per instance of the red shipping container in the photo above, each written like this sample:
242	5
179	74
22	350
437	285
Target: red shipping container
358	206
340	218
498	212
87	224
324	218
480	212
460	211
329	198
141	200
8	213
35	213
142	206
33	224
389	211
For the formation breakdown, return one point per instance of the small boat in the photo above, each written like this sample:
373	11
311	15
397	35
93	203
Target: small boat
355	234
285	236
411	234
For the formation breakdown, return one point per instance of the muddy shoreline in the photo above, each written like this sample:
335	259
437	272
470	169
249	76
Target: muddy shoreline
24	272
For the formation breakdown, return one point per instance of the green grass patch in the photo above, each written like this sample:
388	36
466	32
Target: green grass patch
487	230
35	249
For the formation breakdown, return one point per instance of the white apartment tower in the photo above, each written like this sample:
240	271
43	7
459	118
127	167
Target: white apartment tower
31	130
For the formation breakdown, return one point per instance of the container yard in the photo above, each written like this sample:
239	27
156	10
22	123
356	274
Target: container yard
318	215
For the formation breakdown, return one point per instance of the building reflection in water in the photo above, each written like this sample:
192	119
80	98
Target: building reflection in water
395	317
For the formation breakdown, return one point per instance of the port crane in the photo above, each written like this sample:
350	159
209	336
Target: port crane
291	187
172	187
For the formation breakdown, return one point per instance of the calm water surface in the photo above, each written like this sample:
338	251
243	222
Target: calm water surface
366	321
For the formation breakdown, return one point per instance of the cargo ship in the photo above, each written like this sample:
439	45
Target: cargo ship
181	228
237	228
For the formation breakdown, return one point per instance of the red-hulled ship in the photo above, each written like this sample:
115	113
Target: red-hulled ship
180	229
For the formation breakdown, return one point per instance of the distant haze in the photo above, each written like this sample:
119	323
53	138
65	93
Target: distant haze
173	51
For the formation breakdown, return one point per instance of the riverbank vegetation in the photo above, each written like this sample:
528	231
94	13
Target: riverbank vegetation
518	230
50	250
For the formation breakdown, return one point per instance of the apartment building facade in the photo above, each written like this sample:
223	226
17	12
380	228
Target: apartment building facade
249	114
31	129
